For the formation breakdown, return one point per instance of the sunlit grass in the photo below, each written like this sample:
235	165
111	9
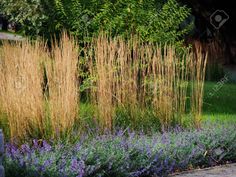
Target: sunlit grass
221	106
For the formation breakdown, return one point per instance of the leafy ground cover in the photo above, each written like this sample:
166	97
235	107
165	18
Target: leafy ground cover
125	153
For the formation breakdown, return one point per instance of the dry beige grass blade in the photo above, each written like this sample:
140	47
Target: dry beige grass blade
21	87
62	84
198	66
104	68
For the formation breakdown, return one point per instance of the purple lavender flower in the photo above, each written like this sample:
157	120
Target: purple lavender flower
78	146
35	144
25	148
165	139
74	165
21	162
81	169
46	146
11	151
125	153
45	165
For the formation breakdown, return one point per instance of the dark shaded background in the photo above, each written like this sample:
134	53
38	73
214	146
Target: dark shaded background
202	10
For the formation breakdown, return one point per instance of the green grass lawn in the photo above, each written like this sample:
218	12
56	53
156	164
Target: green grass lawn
219	101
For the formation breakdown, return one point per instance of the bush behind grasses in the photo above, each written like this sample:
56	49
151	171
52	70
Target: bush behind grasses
125	153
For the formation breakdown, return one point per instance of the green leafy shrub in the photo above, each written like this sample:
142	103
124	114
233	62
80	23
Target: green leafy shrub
152	20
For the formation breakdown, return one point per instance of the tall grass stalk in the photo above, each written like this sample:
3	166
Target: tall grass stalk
104	69
198	66
62	74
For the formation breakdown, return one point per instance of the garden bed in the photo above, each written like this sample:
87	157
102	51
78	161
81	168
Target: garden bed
125	153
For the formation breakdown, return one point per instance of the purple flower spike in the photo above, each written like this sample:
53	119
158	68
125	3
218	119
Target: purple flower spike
35	144
46	146
78	167
25	148
78	146
74	165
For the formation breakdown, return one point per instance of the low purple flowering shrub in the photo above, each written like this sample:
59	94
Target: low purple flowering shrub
124	154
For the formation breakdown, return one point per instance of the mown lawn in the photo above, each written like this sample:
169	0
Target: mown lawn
219	101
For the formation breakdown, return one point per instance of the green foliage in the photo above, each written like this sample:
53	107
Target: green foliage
26	13
132	118
152	20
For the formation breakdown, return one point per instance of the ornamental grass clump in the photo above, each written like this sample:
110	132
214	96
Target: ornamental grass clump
62	77
133	76
39	88
21	96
